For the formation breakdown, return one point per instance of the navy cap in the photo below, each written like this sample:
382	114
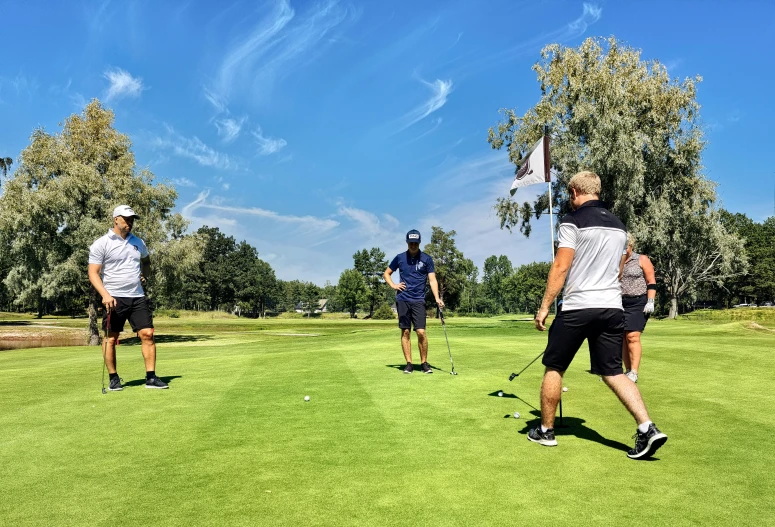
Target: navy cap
413	236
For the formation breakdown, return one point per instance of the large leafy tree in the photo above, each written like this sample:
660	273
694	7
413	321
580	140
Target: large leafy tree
496	270
351	290
60	200
524	288
451	266
372	264
5	165
627	120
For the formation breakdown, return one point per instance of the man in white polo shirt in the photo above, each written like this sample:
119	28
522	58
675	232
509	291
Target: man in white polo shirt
118	265
592	242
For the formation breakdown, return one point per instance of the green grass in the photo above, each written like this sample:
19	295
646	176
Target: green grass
233	443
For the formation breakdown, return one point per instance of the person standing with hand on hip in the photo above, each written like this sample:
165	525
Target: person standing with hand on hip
415	268
118	265
639	288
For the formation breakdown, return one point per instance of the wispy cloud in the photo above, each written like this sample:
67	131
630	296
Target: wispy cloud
441	90
183	182
217	101
436	123
590	15
122	84
255	61
229	129
268	145
17	87
193	148
311	223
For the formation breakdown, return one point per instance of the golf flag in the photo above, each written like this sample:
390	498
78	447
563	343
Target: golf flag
535	166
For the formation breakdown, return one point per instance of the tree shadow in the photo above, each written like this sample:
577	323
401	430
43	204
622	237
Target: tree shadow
15	323
575	426
165	339
140	382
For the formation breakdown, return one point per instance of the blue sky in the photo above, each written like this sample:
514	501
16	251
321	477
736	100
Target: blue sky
315	129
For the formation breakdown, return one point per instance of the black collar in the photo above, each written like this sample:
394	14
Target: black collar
593	203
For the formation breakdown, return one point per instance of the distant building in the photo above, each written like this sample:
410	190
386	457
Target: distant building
322	307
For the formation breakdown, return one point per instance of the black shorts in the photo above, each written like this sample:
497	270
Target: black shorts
634	317
136	309
603	329
411	314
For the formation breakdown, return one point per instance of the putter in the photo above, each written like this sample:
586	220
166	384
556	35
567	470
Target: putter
105	352
444	325
515	375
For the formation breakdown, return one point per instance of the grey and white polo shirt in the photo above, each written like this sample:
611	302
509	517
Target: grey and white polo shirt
120	260
598	238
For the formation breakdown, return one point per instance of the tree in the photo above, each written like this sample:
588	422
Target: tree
217	267
310	297
5	164
372	264
351	290
524	288
626	120
60	200
450	264
496	270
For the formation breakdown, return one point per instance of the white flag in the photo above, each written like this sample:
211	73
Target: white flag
535	166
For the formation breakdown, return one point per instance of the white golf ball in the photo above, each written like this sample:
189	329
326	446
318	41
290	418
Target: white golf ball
516	415
306	397
500	394
565	388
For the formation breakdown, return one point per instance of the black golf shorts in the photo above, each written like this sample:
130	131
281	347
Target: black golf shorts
136	310
411	314
634	317
603	329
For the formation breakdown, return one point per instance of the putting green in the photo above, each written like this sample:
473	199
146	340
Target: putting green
234	443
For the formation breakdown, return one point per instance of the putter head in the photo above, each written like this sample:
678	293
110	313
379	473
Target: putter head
512	376
453	373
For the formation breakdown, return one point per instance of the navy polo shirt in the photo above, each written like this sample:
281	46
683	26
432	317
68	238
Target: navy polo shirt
414	273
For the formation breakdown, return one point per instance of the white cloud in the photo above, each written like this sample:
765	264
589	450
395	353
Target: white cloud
391	220
183	182
441	90
256	60
229	129
590	15
226	186
122	84
193	148
268	145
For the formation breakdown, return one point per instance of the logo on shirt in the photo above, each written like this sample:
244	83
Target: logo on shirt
419	266
136	248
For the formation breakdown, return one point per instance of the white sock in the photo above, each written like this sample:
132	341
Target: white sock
643	427
543	429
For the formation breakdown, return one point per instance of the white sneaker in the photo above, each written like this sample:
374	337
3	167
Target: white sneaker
632	375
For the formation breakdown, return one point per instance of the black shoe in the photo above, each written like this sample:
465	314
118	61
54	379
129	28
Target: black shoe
409	368
115	385
542	438
155	382
646	444
426	368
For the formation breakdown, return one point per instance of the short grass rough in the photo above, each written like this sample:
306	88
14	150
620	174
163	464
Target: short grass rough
234	443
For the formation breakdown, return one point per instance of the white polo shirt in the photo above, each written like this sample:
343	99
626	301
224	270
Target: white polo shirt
120	261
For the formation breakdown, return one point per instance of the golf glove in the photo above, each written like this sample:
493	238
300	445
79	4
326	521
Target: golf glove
649	307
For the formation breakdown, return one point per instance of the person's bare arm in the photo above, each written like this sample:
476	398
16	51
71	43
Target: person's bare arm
397	287
554	284
435	289
621	266
96	281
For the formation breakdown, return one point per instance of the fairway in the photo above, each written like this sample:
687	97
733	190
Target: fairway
233	442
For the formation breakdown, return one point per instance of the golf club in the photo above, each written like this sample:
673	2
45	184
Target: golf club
105	351
444	325
515	375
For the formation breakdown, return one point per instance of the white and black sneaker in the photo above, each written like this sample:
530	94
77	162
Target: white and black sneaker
409	368
156	383
542	438
648	443
115	385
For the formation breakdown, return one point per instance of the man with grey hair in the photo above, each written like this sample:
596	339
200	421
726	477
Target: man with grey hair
592	242
118	266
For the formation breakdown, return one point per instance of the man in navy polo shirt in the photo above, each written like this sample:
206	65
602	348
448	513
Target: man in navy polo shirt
414	266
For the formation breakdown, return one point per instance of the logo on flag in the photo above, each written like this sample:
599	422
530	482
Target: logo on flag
535	166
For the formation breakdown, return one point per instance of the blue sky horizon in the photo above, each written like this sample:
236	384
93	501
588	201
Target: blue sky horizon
313	129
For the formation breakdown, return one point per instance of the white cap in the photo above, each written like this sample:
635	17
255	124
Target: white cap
125	211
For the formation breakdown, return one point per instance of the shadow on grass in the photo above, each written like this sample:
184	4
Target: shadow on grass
512	396
417	367
165	339
15	323
574	426
140	382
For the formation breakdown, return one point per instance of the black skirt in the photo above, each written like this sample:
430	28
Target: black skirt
634	317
